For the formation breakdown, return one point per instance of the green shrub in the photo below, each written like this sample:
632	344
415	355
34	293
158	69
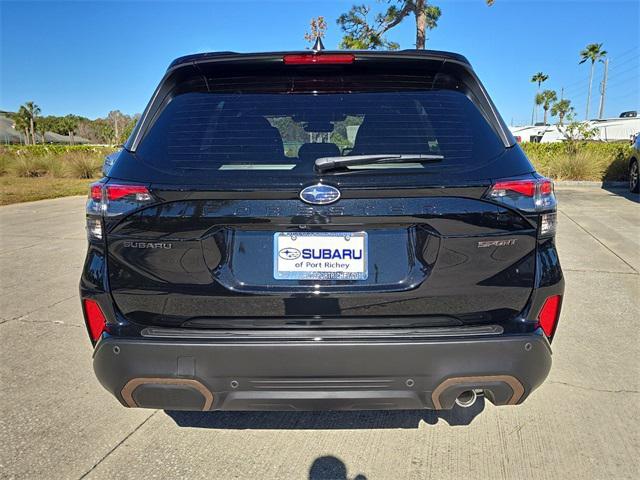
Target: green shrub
597	161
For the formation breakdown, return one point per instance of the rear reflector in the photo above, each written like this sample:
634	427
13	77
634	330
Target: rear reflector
96	323
94	228
318	59
548	224
548	318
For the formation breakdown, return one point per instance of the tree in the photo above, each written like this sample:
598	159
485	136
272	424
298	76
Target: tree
560	109
546	98
69	123
32	111
592	52
21	123
359	35
103	130
576	133
128	128
362	35
118	120
46	124
538	78
318	29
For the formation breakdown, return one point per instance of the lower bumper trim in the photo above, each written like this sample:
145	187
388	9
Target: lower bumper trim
191	374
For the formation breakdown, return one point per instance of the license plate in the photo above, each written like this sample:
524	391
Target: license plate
320	256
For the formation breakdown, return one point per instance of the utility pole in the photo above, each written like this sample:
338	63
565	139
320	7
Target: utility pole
603	88
533	112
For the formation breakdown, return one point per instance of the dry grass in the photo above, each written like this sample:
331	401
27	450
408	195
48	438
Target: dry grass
71	164
582	166
28	174
81	166
25	189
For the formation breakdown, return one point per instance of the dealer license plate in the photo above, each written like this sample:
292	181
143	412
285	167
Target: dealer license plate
320	256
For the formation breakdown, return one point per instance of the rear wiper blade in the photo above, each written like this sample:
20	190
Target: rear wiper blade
323	164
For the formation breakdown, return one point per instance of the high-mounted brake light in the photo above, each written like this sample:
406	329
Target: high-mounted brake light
548	317
318	59
96	321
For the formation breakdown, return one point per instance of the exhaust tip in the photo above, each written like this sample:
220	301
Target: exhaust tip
467	398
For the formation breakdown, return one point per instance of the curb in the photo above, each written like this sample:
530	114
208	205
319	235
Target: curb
586	183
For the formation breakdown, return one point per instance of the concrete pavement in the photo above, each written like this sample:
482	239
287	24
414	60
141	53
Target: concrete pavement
58	422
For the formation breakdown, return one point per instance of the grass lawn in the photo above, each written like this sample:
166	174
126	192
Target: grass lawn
19	189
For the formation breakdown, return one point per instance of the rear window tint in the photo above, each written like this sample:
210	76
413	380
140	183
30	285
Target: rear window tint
253	131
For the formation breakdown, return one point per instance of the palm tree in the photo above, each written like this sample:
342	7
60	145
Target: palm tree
560	109
545	99
538	78
21	123
69	124
33	111
42	125
592	52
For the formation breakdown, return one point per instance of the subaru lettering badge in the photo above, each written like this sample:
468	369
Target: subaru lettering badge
320	194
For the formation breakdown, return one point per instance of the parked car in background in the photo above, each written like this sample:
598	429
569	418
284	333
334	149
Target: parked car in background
399	253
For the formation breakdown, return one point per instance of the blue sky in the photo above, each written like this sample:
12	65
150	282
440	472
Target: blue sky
91	57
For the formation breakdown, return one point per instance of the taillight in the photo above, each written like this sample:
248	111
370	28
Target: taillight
533	195
318	59
526	188
110	200
117	192
95	192
96	321
549	314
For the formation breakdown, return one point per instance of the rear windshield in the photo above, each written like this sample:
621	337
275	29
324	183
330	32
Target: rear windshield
258	130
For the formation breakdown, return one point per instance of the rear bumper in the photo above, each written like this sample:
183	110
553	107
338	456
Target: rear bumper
320	374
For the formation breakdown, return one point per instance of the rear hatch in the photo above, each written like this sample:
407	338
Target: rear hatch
240	228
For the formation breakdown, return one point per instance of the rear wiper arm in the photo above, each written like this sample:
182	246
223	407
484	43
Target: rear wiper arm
323	164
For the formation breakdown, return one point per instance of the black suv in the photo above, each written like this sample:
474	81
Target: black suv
321	230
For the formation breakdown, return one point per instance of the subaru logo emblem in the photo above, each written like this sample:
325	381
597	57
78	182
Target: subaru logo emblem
289	253
320	194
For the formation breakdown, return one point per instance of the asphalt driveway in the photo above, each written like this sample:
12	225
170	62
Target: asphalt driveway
57	422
